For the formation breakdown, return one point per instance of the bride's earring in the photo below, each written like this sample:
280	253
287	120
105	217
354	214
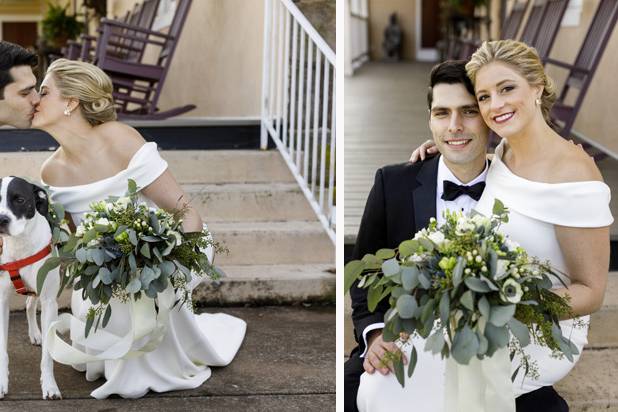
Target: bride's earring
67	112
538	101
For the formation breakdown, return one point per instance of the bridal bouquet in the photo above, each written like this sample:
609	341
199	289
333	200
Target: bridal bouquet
463	287
125	249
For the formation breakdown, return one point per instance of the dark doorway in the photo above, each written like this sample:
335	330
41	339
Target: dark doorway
430	18
22	33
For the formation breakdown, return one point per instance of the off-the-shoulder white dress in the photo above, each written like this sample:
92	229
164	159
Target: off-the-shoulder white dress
535	209
191	343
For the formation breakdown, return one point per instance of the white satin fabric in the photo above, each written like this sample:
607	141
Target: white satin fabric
535	208
190	343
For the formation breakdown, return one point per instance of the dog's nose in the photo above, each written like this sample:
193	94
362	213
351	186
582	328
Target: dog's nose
4	220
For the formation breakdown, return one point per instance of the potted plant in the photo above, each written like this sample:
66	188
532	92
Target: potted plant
58	26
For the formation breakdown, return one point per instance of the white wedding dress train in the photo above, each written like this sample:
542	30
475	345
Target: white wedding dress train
535	208
191	342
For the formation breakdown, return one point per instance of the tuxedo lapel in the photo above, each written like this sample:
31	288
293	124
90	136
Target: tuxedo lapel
424	194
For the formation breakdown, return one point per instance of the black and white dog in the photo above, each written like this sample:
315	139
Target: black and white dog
26	235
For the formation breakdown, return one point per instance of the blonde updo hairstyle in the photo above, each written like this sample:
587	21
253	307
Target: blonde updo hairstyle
523	59
88	84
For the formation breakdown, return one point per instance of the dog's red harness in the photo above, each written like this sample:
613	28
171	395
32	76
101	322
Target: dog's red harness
13	269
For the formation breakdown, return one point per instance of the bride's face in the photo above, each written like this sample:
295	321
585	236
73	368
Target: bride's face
50	109
506	99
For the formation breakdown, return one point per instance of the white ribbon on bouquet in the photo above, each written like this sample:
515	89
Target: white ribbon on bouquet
481	386
147	327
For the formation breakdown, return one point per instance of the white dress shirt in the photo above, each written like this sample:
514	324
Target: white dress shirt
463	203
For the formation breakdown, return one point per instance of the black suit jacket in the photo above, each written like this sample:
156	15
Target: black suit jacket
401	202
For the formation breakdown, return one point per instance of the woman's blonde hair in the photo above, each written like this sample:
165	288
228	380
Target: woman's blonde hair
524	59
87	83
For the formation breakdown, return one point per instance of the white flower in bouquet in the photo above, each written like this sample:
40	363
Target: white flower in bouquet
511	291
102	221
502	268
437	237
464	225
80	231
510	244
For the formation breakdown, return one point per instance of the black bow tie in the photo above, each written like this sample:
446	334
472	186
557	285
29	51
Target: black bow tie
452	190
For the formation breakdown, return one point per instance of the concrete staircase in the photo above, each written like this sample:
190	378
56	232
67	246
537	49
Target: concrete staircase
279	252
593	384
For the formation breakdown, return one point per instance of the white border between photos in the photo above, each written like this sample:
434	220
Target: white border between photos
340	41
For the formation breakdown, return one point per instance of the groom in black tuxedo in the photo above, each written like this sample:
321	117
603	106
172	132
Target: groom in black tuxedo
403	199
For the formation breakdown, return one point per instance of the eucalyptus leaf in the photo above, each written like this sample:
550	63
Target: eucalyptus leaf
89	235
352	271
520	331
435	342
134	285
98	256
145	250
385	254
445	303
489	283
498	337
89	323
501	315
424	279
412	362
484	307
107	315
132	263
373	297
476	285
399	374
467	300
406	306
493	263
50	264
390	267
409	277
408	248
132	236
371	261
465	345
81	255
458	271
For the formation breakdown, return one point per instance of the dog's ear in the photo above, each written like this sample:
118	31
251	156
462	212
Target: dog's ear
40	200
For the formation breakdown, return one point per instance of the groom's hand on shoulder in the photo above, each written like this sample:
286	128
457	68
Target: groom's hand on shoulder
377	348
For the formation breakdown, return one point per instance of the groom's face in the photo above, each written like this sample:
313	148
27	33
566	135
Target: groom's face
20	98
456	124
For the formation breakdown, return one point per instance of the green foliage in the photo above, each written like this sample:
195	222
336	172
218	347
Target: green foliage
463	287
58	26
126	250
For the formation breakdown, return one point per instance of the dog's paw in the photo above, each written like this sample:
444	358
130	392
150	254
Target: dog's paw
35	337
50	389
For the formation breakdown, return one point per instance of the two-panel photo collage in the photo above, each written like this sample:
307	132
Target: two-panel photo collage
308	205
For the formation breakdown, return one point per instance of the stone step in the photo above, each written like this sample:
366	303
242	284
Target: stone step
188	166
244	202
269	284
265	243
250	284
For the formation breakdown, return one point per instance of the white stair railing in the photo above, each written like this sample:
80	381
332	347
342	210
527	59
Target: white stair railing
298	104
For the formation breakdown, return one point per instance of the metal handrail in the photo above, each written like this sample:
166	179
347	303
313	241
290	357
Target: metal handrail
298	104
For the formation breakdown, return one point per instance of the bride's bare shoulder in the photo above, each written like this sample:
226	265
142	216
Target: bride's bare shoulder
123	139
53	169
574	164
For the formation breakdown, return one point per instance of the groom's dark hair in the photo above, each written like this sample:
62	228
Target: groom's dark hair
449	72
12	55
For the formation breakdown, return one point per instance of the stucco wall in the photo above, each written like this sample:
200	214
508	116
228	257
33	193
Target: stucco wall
218	61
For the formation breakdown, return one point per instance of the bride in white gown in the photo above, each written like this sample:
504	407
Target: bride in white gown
96	157
559	211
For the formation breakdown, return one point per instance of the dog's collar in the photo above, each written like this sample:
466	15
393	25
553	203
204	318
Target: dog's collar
13	269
